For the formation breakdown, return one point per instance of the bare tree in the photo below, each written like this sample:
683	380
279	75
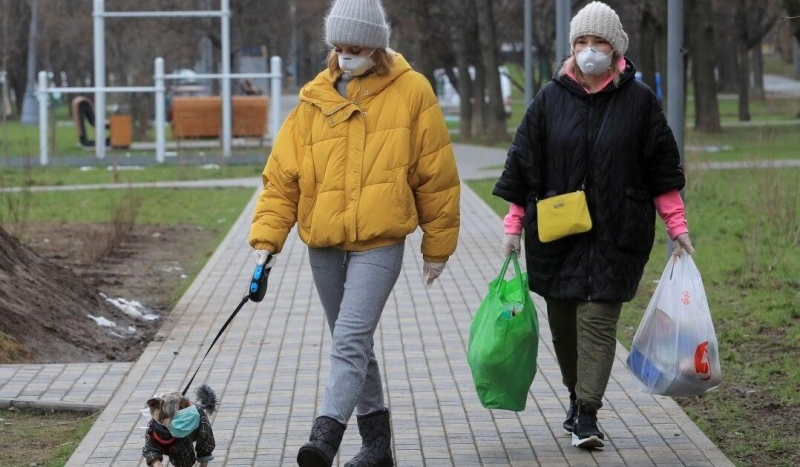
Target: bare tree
496	121
752	20
701	50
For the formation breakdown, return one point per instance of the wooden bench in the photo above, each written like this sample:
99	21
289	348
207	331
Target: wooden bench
201	117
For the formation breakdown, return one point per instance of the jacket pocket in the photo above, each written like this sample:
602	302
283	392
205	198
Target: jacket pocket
636	228
305	207
403	191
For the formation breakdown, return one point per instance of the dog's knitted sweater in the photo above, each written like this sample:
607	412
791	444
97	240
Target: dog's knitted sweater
182	452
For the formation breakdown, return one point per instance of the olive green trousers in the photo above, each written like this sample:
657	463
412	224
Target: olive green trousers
585	341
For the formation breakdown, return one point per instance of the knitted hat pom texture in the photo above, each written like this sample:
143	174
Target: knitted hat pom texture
357	22
599	19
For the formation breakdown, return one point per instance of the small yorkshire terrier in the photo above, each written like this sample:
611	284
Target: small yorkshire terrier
180	429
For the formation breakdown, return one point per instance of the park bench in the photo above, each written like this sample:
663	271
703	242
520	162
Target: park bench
201	117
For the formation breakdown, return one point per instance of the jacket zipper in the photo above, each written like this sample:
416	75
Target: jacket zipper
588	168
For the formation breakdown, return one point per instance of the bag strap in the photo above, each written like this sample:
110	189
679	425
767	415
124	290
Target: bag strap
512	257
596	141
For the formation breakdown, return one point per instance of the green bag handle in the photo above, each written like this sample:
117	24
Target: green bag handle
512	257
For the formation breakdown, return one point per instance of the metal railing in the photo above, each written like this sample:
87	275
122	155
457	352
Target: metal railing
160	90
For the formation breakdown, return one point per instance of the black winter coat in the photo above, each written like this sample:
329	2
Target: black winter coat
634	160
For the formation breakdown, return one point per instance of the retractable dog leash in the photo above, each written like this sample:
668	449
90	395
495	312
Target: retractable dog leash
256	291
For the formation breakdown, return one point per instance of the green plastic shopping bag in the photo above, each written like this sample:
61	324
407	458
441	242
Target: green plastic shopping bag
504	341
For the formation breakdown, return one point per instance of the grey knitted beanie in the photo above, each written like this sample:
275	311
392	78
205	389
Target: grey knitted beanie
598	19
357	22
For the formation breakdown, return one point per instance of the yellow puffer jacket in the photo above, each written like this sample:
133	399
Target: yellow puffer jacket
362	172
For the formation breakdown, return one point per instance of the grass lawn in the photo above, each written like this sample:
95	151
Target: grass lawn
35	438
62	175
745	225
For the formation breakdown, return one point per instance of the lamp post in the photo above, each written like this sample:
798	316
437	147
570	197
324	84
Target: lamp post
30	106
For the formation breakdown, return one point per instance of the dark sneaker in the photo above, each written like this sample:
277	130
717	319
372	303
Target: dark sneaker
570	421
585	433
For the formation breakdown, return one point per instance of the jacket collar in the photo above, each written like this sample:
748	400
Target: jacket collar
321	91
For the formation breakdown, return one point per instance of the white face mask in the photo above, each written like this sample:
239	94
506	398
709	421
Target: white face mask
355	65
592	62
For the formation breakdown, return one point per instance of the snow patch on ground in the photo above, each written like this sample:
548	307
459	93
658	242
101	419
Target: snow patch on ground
103	322
132	308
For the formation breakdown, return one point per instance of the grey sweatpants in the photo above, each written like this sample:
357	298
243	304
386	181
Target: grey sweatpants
353	288
585	341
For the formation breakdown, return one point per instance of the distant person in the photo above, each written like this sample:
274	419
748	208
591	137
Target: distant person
360	163
593	124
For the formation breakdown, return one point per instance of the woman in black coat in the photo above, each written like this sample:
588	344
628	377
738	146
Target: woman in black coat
592	125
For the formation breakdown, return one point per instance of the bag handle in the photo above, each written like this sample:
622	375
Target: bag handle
517	271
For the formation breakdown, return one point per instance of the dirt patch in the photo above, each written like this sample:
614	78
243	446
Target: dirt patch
141	276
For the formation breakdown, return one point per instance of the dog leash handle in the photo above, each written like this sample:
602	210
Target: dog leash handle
230	318
258	283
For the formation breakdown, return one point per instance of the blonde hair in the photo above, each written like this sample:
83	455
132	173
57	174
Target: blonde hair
570	65
383	58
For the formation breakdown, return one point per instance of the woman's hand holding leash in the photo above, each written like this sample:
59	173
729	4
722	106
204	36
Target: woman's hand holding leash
263	257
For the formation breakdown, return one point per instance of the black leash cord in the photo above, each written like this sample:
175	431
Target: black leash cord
230	318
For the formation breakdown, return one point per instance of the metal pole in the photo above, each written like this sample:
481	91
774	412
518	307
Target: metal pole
99	79
562	30
528	44
29	112
676	114
275	96
227	132
160	110
44	97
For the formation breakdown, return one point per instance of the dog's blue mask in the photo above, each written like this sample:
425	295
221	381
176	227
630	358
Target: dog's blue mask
185	421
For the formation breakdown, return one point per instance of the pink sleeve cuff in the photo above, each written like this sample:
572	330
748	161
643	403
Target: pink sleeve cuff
512	223
671	209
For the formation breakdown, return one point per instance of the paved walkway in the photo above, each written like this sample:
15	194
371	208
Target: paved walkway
269	366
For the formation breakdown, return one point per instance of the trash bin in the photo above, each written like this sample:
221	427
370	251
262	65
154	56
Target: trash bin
121	128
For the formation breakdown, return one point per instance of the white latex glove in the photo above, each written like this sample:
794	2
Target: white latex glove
430	271
683	242
510	243
157	464
263	256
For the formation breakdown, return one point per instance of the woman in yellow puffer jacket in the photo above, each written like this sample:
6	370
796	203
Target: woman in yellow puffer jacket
360	163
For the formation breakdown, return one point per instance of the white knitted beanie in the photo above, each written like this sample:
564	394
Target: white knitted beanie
598	19
357	22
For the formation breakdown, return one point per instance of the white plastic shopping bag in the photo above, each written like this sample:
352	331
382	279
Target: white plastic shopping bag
675	352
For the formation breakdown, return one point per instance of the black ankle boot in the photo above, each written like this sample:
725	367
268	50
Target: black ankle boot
376	436
319	451
585	433
573	410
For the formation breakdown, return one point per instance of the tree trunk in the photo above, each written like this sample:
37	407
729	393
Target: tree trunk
496	114
701	48
796	58
464	82
758	72
743	79
647	60
478	102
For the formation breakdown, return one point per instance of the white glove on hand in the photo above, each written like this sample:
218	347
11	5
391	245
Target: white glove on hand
430	271
264	257
681	243
511	243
